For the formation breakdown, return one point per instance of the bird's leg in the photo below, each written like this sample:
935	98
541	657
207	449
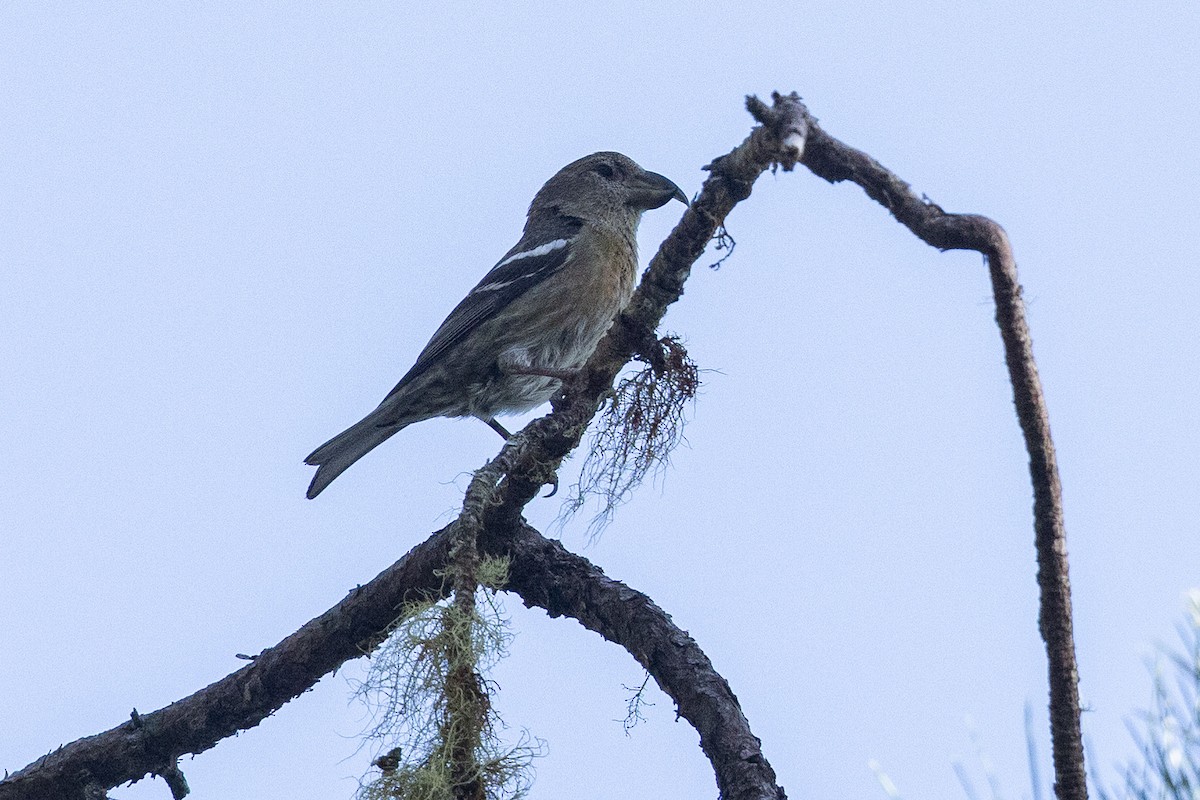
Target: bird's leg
498	428
517	363
503	431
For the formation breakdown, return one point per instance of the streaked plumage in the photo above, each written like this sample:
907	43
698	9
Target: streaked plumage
538	313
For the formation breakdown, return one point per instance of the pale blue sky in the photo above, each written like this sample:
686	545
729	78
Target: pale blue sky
226	231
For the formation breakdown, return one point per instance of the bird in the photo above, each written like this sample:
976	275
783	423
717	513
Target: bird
534	318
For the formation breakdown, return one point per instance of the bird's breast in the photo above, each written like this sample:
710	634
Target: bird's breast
559	322
595	285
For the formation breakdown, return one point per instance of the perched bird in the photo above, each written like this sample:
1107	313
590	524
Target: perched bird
533	320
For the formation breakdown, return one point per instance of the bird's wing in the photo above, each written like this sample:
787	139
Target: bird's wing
534	259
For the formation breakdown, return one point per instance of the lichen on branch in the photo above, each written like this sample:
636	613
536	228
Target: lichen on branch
431	707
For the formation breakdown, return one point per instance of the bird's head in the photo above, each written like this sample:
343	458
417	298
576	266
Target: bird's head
603	186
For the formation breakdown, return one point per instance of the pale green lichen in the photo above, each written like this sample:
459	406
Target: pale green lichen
424	720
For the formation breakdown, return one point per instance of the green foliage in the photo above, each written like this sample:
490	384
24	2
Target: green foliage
426	717
1168	734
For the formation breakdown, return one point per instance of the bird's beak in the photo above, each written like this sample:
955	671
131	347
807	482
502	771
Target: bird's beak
654	191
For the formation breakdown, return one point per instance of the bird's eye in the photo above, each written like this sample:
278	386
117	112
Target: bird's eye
603	170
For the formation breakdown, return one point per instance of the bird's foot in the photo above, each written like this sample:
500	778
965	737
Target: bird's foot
608	396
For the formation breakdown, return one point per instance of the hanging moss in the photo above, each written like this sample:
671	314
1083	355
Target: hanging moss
431	704
637	432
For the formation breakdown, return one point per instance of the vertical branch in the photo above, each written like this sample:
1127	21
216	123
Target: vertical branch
467	702
1054	619
835	161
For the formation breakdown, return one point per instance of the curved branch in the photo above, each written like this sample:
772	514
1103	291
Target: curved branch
547	575
543	574
834	161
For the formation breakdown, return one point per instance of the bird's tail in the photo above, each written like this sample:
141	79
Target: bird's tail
335	456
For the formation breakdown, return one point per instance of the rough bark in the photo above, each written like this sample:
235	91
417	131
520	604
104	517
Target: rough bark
151	743
547	575
542	572
468	702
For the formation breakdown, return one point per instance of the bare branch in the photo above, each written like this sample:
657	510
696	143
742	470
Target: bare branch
543	573
546	574
835	161
153	742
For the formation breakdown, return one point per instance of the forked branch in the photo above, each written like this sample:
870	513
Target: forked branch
545	574
499	492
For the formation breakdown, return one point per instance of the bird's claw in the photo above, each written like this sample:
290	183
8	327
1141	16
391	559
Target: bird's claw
553	484
609	396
